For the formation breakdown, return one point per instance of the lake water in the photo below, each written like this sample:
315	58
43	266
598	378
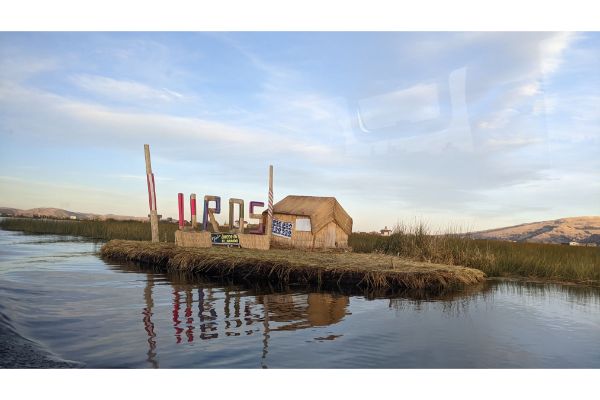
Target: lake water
63	306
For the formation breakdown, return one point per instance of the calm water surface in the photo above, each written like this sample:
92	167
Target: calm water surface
61	305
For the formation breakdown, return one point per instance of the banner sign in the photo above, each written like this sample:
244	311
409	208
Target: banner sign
225	239
283	229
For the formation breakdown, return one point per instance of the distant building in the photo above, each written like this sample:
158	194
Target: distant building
73	217
385	231
574	244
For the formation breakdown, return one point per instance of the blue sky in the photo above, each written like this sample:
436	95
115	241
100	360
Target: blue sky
470	130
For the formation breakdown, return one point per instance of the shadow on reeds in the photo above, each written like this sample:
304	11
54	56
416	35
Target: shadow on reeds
259	287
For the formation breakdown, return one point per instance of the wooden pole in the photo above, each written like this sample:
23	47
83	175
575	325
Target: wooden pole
151	195
181	214
193	210
270	204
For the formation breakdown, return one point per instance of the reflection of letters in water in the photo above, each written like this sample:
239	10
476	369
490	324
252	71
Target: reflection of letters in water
303	224
282	228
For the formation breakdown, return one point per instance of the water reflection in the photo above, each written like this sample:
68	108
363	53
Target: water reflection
204	309
148	324
452	303
238	311
301	311
124	316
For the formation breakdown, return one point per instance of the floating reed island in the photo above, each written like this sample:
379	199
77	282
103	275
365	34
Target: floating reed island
290	266
299	240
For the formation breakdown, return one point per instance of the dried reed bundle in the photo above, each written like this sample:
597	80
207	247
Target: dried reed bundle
295	266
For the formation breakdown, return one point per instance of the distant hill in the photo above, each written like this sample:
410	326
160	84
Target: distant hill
564	230
50	212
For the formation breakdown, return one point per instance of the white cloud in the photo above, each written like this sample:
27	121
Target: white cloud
499	119
551	50
512	141
529	89
76	121
17	69
129	177
123	90
416	103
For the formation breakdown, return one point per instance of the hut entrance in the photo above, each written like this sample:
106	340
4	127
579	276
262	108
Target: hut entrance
330	237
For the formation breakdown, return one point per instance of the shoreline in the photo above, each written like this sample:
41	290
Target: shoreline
492	272
375	271
555	281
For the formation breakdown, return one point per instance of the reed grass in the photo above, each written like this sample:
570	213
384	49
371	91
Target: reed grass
416	242
374	271
495	258
100	230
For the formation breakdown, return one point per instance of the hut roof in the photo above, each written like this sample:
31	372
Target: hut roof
321	210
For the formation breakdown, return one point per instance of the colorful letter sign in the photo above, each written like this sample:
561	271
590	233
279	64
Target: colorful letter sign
261	228
209	213
240	203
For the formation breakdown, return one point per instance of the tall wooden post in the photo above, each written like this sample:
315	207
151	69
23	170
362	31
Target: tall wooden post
193	218
181	211
151	195
270	209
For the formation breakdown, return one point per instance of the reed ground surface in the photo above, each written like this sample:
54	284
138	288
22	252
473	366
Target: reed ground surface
373	271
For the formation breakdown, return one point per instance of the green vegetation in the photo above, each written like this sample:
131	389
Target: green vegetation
495	258
101	230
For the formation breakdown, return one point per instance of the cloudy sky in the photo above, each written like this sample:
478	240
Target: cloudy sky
470	130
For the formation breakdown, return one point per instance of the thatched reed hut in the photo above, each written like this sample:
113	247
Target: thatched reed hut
310	222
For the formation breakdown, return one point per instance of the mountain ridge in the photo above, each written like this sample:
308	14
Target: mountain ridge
53	212
584	230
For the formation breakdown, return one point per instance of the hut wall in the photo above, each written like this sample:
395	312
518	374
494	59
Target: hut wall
299	239
202	239
307	240
250	241
342	237
327	238
192	239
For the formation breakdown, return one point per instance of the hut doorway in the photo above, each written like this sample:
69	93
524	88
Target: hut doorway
330	237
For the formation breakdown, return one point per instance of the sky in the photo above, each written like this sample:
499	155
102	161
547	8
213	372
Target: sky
458	130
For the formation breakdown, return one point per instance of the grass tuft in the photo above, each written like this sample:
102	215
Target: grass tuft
495	258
